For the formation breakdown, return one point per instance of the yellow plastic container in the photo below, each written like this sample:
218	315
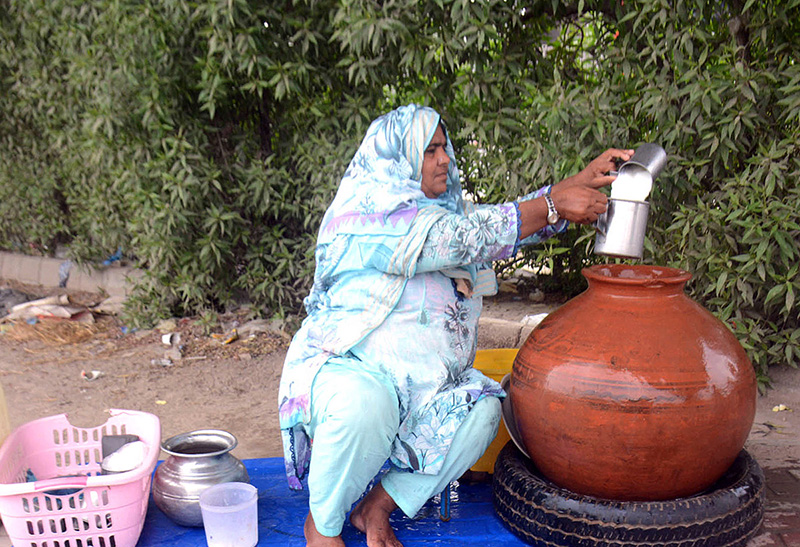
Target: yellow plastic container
494	363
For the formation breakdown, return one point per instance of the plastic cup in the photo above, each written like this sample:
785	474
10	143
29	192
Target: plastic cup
230	514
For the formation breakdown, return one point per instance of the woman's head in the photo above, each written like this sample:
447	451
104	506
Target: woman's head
405	162
430	154
435	165
404	138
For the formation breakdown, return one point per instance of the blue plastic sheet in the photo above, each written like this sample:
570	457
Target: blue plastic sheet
282	512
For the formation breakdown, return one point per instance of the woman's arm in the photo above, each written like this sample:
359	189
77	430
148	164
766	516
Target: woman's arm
577	198
485	234
494	232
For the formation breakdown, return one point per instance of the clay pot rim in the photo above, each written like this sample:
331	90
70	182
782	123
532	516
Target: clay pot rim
639	275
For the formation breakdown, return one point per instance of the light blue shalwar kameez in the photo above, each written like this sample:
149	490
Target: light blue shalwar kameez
382	366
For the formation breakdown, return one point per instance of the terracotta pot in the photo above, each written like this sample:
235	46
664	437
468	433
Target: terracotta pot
631	390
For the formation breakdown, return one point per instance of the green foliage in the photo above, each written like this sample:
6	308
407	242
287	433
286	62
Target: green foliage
206	138
742	243
718	86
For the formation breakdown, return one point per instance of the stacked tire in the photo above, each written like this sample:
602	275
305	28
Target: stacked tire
537	511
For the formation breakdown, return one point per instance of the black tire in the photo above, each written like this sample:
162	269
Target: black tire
540	513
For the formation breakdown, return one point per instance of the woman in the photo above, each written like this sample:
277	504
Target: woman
382	366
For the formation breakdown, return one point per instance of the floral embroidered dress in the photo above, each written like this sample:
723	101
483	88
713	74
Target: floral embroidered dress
398	288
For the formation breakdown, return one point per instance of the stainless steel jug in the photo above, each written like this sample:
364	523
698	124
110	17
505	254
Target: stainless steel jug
650	157
622	228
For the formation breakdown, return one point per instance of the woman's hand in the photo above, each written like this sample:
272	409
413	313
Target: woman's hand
601	165
578	198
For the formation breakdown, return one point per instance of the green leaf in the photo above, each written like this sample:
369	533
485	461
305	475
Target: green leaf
774	292
723	277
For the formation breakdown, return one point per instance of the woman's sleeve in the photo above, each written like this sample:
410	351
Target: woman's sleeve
549	230
485	234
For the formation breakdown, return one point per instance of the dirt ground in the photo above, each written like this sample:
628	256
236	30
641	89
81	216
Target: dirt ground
206	380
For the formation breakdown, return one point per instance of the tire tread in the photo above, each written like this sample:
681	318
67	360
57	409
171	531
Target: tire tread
541	513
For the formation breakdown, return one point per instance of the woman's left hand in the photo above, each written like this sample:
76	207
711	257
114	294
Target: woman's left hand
600	166
578	198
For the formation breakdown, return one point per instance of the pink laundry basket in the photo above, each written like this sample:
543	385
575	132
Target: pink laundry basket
70	504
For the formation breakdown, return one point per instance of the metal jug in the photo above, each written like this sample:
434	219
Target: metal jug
197	460
621	229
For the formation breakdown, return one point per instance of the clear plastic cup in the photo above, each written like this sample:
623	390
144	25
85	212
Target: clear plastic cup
230	514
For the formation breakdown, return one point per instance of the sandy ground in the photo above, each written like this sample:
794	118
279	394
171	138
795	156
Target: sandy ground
233	386
774	439
205	381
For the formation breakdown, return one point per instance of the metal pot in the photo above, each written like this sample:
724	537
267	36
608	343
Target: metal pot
197	460
621	229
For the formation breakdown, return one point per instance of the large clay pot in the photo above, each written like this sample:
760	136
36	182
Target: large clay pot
631	390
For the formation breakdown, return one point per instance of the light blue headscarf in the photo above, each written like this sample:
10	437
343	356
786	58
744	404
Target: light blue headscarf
367	248
380	191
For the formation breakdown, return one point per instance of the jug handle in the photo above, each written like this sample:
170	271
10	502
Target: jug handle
600	226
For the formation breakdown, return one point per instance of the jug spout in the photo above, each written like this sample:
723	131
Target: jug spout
635	177
651	157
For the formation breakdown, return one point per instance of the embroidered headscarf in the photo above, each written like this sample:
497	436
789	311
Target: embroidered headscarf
381	189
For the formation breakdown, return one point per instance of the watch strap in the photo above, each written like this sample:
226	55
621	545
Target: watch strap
552	212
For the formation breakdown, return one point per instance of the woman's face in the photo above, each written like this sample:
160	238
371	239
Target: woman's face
435	165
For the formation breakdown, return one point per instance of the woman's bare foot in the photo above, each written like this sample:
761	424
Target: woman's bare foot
315	539
371	516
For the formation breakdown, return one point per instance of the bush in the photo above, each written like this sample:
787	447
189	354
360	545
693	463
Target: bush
206	138
741	243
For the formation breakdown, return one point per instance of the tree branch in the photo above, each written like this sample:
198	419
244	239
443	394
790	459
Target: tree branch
738	26
264	127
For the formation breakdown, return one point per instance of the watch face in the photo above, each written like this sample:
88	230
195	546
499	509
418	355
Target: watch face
552	218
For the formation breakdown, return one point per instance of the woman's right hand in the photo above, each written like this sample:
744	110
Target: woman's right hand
578	198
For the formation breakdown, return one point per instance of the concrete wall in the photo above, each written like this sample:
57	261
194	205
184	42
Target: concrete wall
115	280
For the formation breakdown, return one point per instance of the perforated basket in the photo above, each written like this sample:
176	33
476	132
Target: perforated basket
70	504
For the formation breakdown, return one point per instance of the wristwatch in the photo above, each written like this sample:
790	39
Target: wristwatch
552	213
